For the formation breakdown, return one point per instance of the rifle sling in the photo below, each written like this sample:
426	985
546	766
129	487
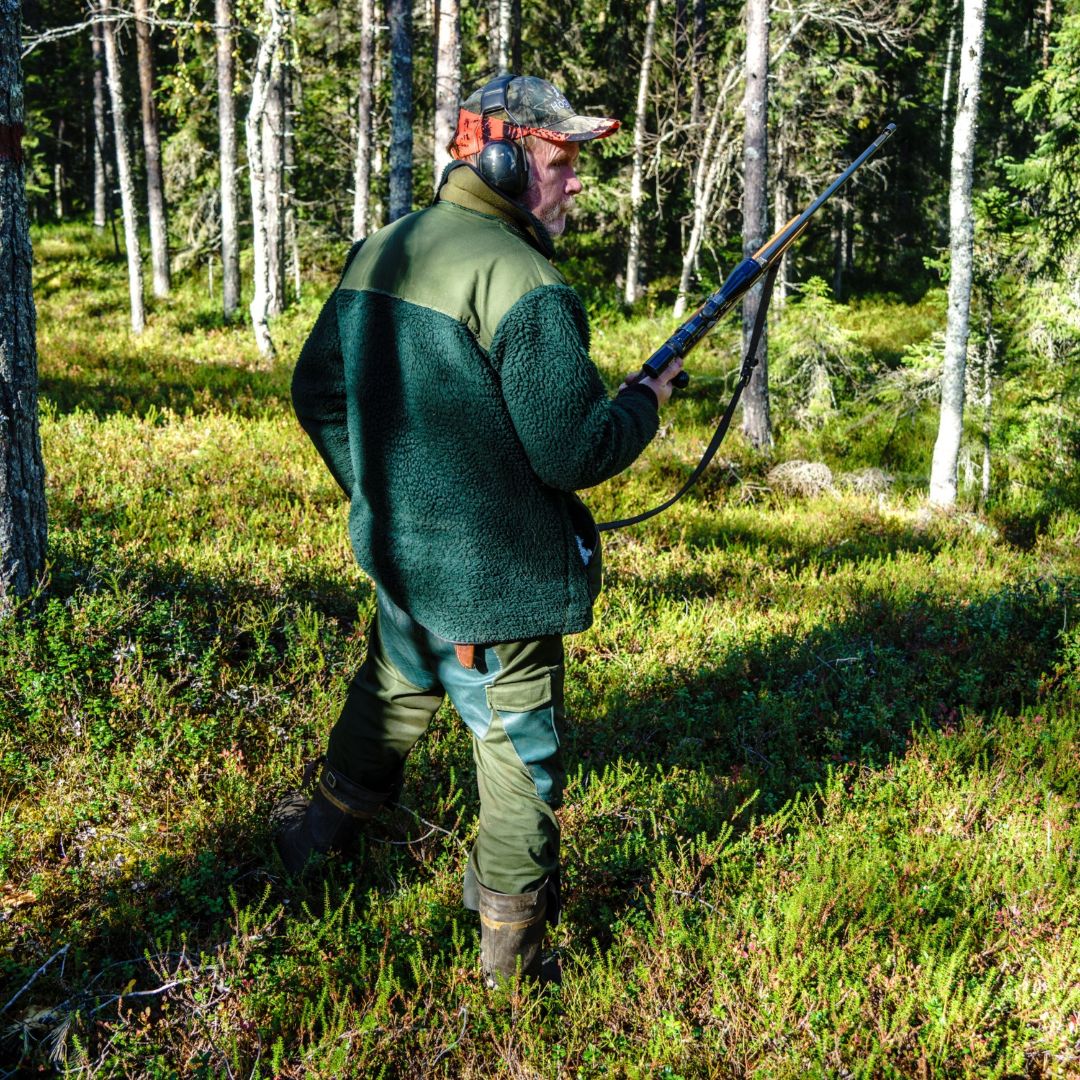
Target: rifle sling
749	363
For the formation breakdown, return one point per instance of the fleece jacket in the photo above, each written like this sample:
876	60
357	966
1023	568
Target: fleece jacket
447	384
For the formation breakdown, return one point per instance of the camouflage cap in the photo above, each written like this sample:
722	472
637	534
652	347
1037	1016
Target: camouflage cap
533	107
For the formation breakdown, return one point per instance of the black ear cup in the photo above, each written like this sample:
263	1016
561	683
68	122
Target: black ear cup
503	164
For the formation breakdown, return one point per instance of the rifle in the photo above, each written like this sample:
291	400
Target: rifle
764	263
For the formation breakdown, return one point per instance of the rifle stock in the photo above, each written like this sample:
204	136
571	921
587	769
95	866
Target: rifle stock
746	275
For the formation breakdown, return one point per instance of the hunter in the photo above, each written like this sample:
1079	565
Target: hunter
448	387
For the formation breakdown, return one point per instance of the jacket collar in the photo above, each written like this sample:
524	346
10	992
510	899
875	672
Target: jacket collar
463	185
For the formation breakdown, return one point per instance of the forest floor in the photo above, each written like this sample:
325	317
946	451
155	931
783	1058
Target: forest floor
824	754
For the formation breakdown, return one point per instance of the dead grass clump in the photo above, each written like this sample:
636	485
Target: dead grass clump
869	481
804	478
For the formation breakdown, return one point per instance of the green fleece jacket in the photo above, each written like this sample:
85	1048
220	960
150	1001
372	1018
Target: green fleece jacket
447	384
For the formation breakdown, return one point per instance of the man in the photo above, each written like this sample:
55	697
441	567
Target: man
448	386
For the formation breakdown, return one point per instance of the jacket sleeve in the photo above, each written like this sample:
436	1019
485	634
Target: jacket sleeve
575	436
318	392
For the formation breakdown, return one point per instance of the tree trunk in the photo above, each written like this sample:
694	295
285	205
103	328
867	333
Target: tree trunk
633	255
947	81
493	22
399	15
292	238
698	58
961	238
706	174
58	172
756	423
506	35
100	135
155	184
273	148
1048	20
362	182
123	169
447	79
260	90
22	474
226	77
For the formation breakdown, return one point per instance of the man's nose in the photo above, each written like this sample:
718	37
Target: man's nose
573	185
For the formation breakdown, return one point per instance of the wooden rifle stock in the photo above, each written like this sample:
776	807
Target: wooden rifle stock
746	275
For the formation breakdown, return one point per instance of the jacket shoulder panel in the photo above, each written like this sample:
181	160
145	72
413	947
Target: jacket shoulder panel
463	264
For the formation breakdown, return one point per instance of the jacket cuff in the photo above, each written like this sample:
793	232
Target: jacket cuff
637	388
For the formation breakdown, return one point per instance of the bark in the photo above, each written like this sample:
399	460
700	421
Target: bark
124	174
292	239
447	79
506	35
100	136
22	474
399	15
493	24
362	181
947	82
1048	20
155	183
272	130
961	238
226	77
756	423
698	58
58	172
260	90
633	255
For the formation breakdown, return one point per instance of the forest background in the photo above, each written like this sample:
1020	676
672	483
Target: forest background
824	813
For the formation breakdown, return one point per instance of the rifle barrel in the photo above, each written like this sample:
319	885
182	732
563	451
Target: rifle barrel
748	272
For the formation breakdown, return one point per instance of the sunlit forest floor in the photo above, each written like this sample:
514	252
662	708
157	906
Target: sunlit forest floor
825	751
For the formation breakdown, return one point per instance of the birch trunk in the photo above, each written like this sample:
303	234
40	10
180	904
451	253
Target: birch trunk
756	422
506	35
22	474
123	170
633	255
260	89
226	77
447	80
961	238
58	172
947	81
100	136
399	15
362	179
273	148
155	184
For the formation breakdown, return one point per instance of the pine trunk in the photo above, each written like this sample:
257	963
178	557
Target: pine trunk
633	255
230	240
756	423
155	183
260	90
399	15
447	79
362	182
124	174
961	238
947	81
100	134
22	474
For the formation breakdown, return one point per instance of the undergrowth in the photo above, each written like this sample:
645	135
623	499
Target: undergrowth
821	817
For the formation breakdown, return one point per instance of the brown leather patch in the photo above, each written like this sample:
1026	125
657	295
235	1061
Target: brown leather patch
466	655
11	142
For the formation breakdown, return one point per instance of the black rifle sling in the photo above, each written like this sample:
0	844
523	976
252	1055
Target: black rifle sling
749	363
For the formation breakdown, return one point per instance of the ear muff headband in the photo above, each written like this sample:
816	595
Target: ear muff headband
503	162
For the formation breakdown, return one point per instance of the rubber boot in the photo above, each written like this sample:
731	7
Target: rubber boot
327	821
511	933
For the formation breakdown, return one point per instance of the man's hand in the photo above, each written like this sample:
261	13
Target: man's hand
661	386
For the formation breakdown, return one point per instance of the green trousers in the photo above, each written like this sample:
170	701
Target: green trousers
512	703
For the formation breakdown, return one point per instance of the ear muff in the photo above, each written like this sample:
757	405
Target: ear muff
503	163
